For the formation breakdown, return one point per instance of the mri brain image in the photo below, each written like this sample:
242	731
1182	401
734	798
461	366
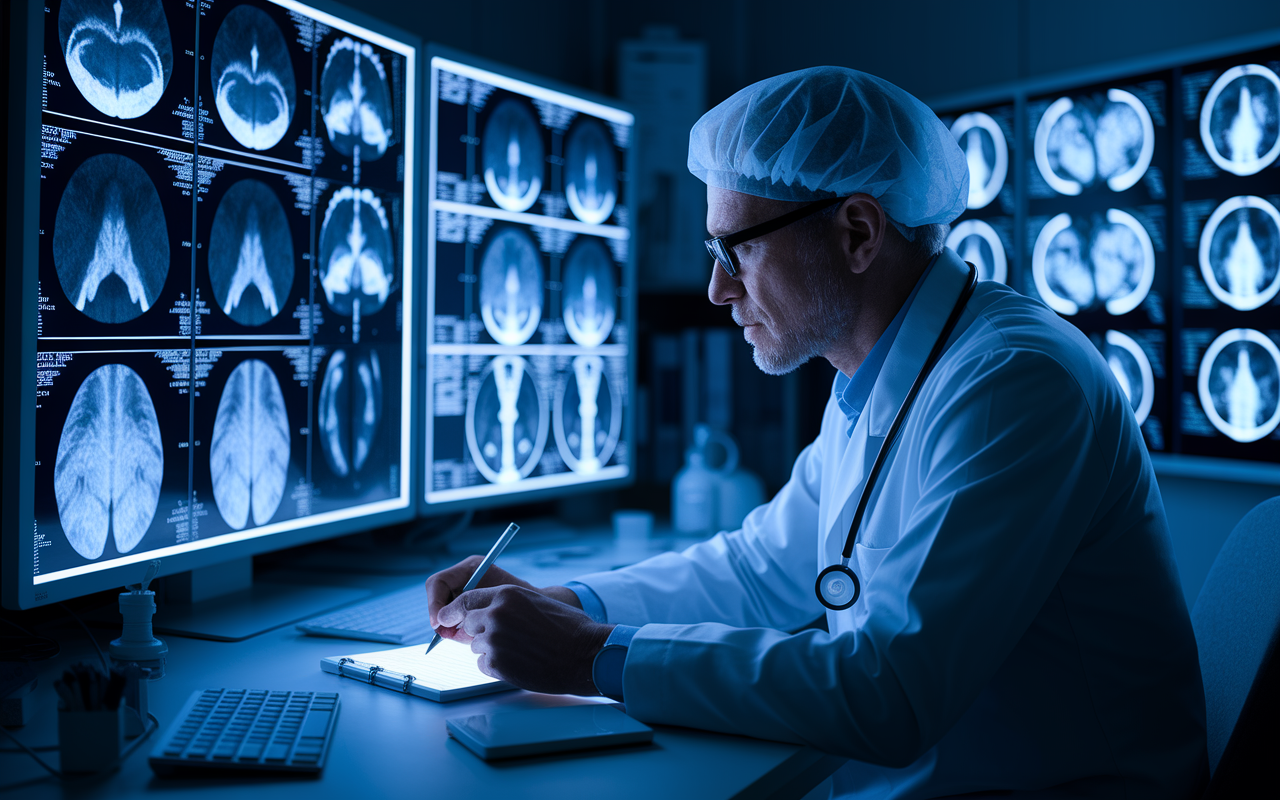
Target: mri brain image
589	292
357	257
110	242
1105	139
979	244
506	421
513	156
1240	119
591	172
1239	384
350	409
986	152
249	452
250	253
118	52
252	76
355	100
1132	370
588	421
511	279
1240	252
1082	263
110	462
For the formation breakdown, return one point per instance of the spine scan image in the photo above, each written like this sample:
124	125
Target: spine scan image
355	100
590	292
506	421
118	53
1240	252
1240	119
511	279
1081	263
350	409
253	78
591	172
1105	139
987	154
978	243
588	419
513	156
250	254
356	253
110	462
249	451
1239	384
110	243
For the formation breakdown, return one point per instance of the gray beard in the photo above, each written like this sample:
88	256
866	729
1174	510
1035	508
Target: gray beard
827	321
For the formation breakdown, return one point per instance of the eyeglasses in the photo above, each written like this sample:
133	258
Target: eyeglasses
721	247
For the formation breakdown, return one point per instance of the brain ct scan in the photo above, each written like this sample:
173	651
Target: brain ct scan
1089	141
987	154
355	100
110	242
589	292
1239	384
513	155
110	462
591	172
357	258
506	421
250	253
588	419
979	244
1240	119
1079	264
1240	252
1132	370
249	451
350	409
252	75
119	54
511	280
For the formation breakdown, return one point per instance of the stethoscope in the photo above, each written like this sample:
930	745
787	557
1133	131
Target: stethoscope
838	587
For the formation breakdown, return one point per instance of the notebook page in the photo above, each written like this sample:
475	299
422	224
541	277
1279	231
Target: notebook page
450	666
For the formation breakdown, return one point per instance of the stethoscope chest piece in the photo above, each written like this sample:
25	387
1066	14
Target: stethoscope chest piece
838	588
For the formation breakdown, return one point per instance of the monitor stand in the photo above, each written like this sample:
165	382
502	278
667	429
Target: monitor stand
223	602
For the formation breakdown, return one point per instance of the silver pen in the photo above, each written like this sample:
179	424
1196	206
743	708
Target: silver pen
476	576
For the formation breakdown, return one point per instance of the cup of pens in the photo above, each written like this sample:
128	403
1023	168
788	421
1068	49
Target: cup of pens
90	719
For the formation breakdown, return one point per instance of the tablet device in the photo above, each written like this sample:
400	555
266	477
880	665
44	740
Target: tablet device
509	734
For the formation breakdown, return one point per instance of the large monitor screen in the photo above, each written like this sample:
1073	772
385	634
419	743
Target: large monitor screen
983	235
528	317
225	278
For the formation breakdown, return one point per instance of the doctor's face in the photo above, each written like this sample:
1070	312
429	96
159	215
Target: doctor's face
788	293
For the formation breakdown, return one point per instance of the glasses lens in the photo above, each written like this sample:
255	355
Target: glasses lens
716	247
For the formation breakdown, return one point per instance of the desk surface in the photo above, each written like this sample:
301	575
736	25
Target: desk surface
388	744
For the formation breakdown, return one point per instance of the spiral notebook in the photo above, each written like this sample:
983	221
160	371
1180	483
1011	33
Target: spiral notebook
449	673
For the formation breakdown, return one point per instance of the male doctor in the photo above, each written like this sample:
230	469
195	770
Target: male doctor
1018	625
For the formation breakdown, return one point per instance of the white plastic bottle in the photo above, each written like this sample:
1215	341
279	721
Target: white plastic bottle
693	494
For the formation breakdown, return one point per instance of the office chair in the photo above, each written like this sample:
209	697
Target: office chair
1236	620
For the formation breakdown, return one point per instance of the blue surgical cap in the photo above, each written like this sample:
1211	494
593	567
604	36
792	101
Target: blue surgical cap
832	132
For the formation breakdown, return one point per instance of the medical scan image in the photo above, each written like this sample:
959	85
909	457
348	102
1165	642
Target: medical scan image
1239	384
1081	263
350	409
252	75
110	463
978	243
513	156
1105	139
1240	252
355	100
110	240
987	154
506	421
250	253
1132	370
588	420
591	172
249	449
511	278
1240	119
590	292
357	255
119	53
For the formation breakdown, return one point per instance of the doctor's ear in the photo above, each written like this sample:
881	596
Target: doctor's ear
861	228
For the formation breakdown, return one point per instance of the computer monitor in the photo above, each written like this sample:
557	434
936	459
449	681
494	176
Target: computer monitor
210	341
529	288
984	233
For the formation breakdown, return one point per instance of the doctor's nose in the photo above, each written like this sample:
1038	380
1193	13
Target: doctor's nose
723	290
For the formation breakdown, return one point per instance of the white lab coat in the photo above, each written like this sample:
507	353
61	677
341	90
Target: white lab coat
1021	624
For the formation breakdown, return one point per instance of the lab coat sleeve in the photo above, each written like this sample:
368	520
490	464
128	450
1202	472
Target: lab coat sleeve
1011	474
761	575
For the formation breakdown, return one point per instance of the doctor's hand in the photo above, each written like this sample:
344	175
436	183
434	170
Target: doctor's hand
445	586
526	638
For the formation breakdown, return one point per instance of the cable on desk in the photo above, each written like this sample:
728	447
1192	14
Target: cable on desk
29	646
152	725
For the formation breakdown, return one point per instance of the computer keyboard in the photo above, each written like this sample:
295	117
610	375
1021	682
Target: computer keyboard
396	618
240	729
